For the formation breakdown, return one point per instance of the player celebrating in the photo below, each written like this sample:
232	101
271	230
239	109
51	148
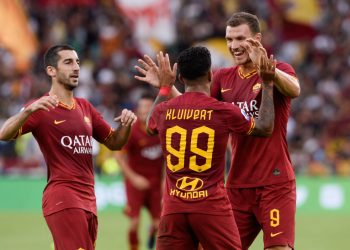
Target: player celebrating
194	129
261	181
142	163
64	127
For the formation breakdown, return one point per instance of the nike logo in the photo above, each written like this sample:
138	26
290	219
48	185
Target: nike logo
224	90
58	122
275	234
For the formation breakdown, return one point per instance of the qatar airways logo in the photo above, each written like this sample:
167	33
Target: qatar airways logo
80	144
250	107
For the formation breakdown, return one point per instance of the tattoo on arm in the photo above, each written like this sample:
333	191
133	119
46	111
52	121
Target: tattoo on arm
265	122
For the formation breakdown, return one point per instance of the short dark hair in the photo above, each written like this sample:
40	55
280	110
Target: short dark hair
51	56
194	62
239	18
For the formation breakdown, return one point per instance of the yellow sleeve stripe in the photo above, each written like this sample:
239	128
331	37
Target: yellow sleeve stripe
18	134
252	126
109	134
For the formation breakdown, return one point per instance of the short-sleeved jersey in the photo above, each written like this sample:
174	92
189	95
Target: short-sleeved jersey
65	138
255	161
193	129
145	154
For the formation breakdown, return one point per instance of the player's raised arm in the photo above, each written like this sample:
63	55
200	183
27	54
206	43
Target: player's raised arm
11	126
265	122
120	135
166	76
150	71
288	85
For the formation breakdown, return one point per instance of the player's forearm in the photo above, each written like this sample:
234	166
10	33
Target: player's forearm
288	85
118	138
126	170
11	126
124	166
159	99
265	122
174	92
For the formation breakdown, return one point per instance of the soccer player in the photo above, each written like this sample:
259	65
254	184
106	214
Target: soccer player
64	127
193	129
261	181
142	163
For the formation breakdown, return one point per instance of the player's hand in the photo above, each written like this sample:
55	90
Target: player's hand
255	50
166	74
140	182
267	69
127	118
44	103
149	70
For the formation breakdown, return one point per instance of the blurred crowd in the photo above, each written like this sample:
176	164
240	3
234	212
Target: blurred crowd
104	37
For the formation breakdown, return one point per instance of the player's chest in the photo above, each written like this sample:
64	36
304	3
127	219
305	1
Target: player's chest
68	122
245	93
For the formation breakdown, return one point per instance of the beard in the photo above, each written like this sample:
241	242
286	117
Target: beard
67	82
242	60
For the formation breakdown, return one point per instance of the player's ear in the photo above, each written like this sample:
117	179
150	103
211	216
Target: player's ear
258	36
51	71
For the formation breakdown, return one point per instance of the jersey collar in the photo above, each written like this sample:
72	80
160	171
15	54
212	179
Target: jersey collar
248	75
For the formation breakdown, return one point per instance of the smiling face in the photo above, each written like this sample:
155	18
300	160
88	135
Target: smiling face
235	36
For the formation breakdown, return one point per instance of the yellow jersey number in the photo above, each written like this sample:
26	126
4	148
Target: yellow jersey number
274	217
180	152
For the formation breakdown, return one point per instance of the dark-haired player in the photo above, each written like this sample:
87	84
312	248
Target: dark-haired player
64	127
142	163
261	181
194	129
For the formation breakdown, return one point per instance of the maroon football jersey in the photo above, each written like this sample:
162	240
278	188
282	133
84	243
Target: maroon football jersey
193	129
255	161
145	154
65	135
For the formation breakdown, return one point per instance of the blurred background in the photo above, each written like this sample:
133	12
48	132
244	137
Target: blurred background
110	35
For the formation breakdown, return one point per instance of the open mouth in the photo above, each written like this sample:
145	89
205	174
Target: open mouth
238	53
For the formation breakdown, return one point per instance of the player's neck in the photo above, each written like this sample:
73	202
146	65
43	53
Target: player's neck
64	96
247	68
198	88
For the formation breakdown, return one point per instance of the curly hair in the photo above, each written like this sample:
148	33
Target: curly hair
194	62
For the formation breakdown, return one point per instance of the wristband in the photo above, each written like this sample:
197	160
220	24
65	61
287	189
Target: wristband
165	90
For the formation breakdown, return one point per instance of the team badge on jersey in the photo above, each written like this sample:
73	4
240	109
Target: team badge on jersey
256	87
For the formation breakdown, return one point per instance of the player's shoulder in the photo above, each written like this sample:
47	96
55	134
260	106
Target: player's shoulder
160	108
225	71
217	105
286	67
30	102
82	101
